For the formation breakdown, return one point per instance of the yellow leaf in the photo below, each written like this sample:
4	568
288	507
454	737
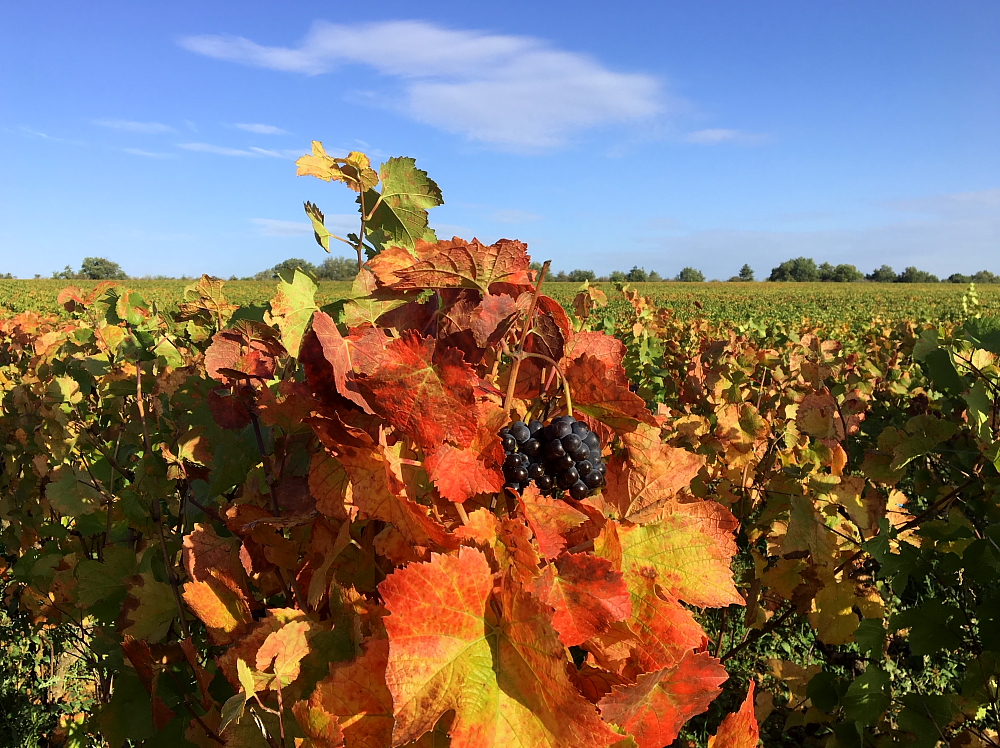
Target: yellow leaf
832	615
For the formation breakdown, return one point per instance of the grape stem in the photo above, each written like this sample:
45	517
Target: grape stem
519	356
565	383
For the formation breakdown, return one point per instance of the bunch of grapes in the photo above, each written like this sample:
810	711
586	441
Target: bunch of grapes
563	456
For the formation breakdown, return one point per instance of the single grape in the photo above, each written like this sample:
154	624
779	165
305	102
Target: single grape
583	467
592	441
534	427
531	447
579	490
519	430
594	479
568	477
562	463
554	449
509	443
545	483
583	453
571	442
557	430
536	470
519	475
580	429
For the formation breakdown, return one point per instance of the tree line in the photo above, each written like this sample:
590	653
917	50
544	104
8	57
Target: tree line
798	269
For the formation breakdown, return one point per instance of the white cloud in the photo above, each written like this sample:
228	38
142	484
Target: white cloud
262	129
513	216
253	151
339	224
147	154
129	126
513	91
716	136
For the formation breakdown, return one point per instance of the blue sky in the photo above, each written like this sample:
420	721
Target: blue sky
663	134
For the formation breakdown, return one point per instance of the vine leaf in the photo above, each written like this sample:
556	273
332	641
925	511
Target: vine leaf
407	193
688	553
355	171
461	473
292	308
283	650
654	709
739	729
456	264
550	519
505	677
588	595
425	392
666	629
338	353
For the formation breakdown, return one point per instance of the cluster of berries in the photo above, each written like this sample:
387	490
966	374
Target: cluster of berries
565	455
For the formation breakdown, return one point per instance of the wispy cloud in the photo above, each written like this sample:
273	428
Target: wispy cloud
339	224
262	129
130	126
253	151
147	154
513	216
716	136
516	92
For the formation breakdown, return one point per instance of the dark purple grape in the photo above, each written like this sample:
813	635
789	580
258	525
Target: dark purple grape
581	454
545	483
568	477
531	447
561	463
564	419
509	443
504	431
557	430
518	475
583	467
536	470
554	449
580	429
579	490
592	441
534	427
516	487
594	479
571	442
519	430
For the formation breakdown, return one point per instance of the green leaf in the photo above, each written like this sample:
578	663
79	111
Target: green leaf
980	406
870	636
69	496
319	226
232	709
934	626
407	194
149	608
925	433
943	373
129	715
292	308
867	697
825	691
101	581
926	716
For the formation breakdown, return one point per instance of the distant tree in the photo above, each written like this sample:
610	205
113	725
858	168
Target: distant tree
617	276
559	277
884	274
579	276
292	263
912	275
983	276
746	273
337	269
637	275
7	276
690	275
801	269
99	268
840	273
654	277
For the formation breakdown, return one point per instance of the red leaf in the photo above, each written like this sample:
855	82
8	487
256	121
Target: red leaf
587	594
337	352
455	263
600	389
550	519
505	678
597	344
248	348
460	474
666	629
739	729
425	393
657	706
356	693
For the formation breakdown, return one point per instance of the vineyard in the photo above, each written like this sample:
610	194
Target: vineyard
829	305
451	505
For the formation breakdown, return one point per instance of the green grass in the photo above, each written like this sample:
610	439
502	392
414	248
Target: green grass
827	304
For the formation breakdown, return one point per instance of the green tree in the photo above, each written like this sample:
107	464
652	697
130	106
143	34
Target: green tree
617	276
912	275
337	269
691	275
100	268
579	276
655	277
637	275
801	269
292	263
746	273
983	276
884	274
840	273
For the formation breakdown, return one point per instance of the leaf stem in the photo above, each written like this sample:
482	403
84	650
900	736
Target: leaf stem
519	356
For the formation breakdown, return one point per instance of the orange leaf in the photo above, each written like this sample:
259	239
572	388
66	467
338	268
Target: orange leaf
739	729
550	519
654	709
587	594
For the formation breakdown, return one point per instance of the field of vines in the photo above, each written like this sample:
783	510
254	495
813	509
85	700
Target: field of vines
451	508
841	307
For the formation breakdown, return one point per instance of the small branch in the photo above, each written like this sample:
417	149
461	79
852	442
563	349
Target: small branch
518	357
759	633
461	514
174	583
562	376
